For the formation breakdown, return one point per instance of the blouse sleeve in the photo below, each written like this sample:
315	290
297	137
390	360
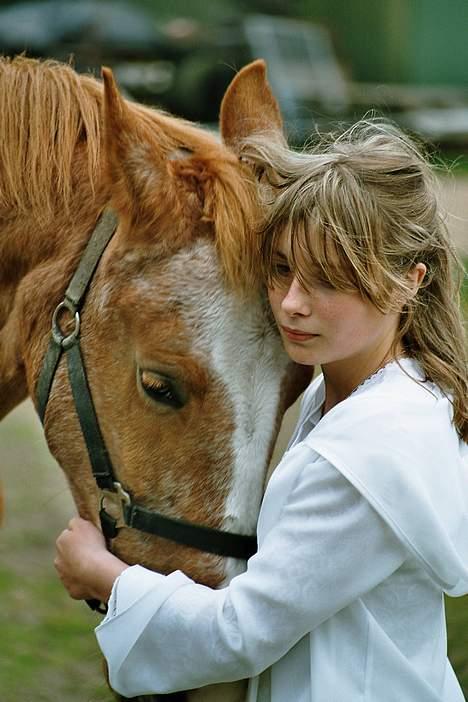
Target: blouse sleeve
167	633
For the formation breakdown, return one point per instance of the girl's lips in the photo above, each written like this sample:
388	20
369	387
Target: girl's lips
296	335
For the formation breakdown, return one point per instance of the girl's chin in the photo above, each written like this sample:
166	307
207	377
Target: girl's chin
302	355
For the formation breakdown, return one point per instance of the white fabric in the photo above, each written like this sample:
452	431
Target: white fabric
362	527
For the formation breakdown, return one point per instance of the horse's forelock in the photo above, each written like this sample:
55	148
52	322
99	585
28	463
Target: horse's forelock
232	204
228	201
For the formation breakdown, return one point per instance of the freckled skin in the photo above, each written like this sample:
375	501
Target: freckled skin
347	326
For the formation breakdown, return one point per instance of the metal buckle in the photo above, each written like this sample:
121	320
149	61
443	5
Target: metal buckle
113	502
65	341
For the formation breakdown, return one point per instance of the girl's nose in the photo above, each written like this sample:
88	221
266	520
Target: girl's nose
296	301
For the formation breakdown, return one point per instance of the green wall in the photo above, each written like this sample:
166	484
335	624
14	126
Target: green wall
412	41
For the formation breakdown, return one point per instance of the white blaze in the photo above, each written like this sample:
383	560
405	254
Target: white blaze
241	347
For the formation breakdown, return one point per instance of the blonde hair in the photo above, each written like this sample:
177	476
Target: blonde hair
363	209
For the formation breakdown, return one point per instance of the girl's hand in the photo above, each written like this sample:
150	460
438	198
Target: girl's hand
85	566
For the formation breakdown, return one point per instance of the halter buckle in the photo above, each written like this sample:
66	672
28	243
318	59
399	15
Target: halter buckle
65	340
113	502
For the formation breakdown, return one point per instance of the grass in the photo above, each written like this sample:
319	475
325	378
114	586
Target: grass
457	625
47	649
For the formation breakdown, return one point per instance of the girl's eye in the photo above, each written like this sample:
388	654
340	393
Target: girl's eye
281	269
319	280
324	283
160	389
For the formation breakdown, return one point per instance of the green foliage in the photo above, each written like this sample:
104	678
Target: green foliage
452	161
212	12
205	12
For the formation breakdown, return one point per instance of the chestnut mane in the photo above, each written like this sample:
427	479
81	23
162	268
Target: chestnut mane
48	111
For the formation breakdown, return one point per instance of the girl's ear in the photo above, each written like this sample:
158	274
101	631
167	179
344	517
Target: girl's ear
415	277
250	107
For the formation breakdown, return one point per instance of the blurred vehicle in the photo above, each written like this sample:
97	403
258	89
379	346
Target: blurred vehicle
92	34
185	66
109	27
312	87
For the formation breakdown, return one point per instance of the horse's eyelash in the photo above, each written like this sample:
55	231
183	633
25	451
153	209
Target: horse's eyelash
155	383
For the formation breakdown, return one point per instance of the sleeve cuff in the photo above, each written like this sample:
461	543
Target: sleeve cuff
136	597
131	585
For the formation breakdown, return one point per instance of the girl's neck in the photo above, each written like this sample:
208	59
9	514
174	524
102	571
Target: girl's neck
342	378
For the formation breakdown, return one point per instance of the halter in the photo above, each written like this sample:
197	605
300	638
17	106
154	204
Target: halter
117	508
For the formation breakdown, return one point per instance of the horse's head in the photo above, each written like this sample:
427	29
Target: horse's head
187	372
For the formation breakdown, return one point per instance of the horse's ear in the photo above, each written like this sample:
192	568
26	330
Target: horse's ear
118	132
249	106
132	164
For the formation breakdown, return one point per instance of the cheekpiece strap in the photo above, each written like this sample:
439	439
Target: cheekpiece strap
46	377
91	256
97	451
73	301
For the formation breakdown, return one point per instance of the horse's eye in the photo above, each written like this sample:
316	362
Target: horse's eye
161	389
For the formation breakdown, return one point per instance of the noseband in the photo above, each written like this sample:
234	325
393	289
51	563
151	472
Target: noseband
117	508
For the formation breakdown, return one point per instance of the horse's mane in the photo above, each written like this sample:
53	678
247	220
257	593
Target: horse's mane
47	110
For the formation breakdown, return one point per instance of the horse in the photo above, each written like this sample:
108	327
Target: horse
186	370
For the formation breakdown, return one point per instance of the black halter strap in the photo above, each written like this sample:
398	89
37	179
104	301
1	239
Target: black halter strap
117	509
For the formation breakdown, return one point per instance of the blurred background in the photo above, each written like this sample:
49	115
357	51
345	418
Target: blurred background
329	63
329	60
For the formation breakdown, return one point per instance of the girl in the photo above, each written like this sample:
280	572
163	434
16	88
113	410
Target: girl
364	523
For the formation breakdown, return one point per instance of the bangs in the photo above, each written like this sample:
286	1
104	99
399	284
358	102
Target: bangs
325	226
313	252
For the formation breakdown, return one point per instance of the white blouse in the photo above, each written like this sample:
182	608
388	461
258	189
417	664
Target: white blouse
363	526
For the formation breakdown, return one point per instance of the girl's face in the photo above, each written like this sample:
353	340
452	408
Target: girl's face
321	325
